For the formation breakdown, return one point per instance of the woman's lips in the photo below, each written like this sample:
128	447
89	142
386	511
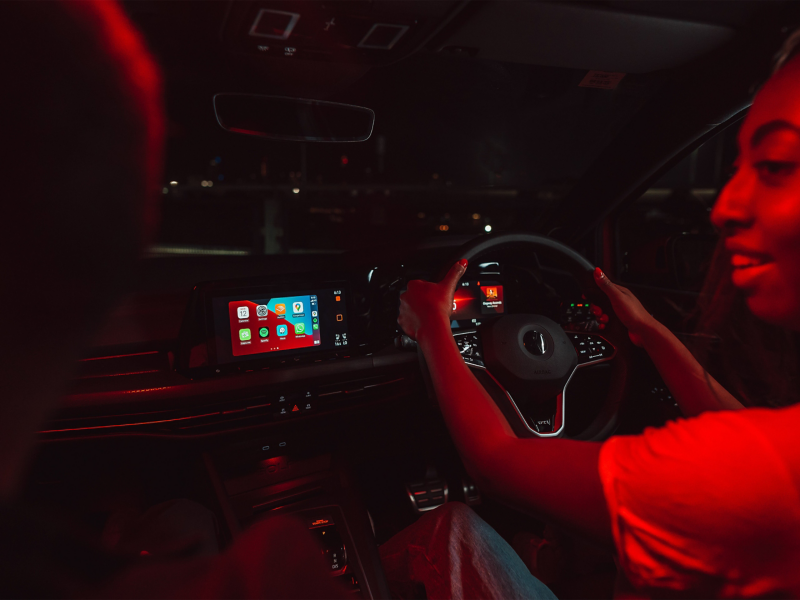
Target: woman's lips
746	261
748	267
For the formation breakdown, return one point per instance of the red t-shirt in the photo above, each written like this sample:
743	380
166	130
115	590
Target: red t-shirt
709	506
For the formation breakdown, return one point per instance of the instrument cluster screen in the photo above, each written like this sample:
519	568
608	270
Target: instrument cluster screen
475	300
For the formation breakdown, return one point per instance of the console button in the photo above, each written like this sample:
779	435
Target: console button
321	520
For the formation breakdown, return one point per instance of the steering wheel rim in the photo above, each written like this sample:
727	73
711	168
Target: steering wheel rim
606	421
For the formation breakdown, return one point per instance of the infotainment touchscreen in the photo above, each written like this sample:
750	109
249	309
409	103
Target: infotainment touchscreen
274	325
474	300
260	324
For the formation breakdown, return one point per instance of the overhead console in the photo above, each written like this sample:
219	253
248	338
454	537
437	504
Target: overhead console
238	326
359	32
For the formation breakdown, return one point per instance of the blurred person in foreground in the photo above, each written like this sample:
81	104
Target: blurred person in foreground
83	132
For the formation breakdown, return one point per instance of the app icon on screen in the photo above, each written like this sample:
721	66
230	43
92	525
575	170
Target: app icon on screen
299	328
282	330
244	334
315	326
243	312
313	313
264	332
297	307
315	320
262	310
280	309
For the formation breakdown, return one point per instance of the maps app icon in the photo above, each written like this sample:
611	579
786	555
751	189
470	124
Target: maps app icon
297	307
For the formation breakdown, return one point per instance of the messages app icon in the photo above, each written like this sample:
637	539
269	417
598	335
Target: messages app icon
299	328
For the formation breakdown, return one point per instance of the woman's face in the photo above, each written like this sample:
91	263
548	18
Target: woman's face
758	211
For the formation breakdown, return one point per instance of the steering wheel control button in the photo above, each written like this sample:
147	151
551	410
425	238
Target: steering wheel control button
591	348
469	345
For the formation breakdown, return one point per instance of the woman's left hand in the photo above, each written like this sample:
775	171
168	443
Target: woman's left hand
426	305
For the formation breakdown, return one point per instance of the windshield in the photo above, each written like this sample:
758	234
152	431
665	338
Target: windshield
461	146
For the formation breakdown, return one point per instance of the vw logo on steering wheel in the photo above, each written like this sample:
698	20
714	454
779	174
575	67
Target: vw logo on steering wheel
535	342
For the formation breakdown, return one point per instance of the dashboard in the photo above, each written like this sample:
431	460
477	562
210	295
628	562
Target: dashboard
248	351
240	325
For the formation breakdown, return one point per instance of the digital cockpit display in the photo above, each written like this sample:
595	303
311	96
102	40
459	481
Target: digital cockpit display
475	300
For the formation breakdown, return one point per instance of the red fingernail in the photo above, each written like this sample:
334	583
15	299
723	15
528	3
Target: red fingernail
463	262
598	272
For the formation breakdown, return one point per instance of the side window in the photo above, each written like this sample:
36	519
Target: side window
665	238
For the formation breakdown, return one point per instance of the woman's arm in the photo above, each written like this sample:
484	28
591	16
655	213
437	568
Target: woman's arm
693	388
555	478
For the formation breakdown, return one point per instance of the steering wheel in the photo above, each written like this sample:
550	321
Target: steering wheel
526	361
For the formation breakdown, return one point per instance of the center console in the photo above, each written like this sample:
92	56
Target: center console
311	488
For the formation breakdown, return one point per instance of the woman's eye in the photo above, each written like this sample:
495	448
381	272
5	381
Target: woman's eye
772	168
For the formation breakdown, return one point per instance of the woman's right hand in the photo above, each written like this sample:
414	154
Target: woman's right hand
627	308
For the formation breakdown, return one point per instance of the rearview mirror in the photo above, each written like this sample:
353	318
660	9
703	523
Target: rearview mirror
293	119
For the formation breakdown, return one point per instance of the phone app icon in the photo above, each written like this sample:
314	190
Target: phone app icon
299	328
244	335
315	326
313	313
282	330
262	310
264	332
243	312
297	307
280	309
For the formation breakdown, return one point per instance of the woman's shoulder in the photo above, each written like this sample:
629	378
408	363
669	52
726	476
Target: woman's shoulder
714	496
748	453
